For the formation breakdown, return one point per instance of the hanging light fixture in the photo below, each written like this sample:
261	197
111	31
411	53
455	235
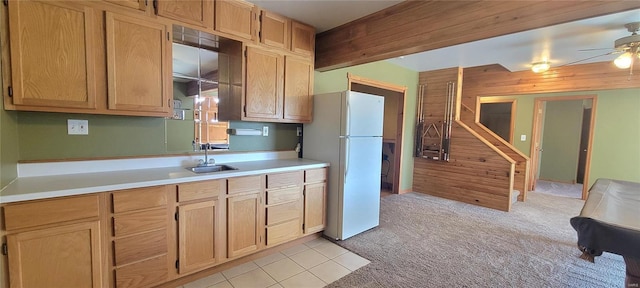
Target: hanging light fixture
631	47
540	67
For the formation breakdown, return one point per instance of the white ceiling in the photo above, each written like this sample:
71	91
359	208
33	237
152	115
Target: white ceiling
558	44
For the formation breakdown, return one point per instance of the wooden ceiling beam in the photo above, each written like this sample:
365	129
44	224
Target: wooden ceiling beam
418	26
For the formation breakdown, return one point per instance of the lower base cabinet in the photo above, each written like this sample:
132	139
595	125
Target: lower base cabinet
137	237
200	230
54	242
64	256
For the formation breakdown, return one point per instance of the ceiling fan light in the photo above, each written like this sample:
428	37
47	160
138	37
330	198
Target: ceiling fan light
623	61
540	67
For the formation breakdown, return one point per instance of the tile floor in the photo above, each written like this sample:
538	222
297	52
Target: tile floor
312	264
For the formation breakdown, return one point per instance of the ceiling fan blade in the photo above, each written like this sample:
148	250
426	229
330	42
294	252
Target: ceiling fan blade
589	58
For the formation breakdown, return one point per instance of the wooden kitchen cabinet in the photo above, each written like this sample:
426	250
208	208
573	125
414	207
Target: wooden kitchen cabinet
244	215
54	243
196	12
52	54
141	236
264	93
200	229
315	200
298	89
274	30
235	18
283	207
142	5
303	39
279	88
139	70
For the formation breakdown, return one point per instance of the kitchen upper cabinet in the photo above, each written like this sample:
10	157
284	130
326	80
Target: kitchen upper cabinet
52	54
264	93
279	88
298	89
274	30
138	65
195	12
200	230
236	18
141	5
303	39
54	243
244	215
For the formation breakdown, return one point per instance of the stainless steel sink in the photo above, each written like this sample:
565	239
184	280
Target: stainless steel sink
209	169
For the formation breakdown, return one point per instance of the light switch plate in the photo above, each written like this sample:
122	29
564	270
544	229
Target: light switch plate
523	137
265	130
77	127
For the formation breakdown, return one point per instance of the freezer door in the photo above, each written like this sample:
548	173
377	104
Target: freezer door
364	114
360	184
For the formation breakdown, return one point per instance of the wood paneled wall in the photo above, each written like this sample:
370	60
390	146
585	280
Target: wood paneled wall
415	26
477	172
495	80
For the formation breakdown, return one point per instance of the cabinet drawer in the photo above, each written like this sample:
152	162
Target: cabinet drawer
244	184
284	179
139	247
139	198
138	222
279	233
283	195
200	190
143	274
284	212
315	175
31	214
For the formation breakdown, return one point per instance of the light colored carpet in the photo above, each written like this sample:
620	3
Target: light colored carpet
425	241
559	189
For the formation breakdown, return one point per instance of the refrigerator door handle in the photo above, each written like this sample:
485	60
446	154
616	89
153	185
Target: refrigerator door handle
346	159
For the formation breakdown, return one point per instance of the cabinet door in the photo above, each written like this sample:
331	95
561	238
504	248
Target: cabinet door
64	256
298	86
196	12
303	38
274	30
315	197
52	60
265	74
134	4
138	65
243	217
197	226
235	17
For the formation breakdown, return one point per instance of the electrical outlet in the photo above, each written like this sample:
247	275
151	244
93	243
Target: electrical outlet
523	137
265	131
299	131
77	127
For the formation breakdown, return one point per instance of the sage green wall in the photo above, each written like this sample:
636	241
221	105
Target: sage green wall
561	140
8	145
43	136
336	80
616	141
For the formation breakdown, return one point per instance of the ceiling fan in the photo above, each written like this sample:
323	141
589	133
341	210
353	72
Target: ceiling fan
628	48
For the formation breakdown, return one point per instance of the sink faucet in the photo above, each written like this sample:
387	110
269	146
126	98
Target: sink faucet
206	161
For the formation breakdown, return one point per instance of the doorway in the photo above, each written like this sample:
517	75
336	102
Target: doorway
393	129
561	141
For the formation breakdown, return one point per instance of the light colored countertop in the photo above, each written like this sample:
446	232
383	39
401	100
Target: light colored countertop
41	187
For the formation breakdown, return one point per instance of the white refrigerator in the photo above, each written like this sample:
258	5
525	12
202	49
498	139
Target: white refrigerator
347	132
